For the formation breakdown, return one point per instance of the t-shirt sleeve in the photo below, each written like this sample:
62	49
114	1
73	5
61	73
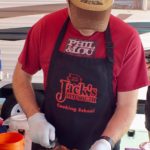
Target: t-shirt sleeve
30	57
133	74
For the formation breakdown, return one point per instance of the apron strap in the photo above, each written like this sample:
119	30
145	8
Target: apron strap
57	45
108	39
61	35
109	45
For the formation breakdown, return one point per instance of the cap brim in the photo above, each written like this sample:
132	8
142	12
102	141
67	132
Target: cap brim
85	19
93	5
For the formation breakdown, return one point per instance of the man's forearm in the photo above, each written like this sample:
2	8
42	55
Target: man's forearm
24	92
123	116
120	123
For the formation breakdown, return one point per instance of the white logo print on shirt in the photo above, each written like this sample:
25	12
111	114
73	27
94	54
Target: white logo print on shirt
80	47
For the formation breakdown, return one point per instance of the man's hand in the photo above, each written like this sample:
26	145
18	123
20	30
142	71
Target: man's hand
40	130
101	144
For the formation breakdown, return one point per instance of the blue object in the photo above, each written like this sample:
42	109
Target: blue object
3	128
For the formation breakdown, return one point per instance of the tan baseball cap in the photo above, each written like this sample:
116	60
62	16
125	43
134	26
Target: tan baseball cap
90	14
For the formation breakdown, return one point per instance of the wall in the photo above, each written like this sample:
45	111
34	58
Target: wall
16	17
148	4
128	4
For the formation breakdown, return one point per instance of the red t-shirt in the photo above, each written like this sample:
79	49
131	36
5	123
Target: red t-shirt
129	70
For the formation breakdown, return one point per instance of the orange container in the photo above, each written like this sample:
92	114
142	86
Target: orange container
11	141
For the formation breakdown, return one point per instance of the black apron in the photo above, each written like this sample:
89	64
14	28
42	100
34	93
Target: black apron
79	100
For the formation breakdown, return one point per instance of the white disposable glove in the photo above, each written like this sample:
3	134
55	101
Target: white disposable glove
101	144
40	130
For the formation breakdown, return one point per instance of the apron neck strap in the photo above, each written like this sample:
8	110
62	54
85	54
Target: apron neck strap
108	39
109	44
61	35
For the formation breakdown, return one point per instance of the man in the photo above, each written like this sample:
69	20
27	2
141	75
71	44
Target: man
93	66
